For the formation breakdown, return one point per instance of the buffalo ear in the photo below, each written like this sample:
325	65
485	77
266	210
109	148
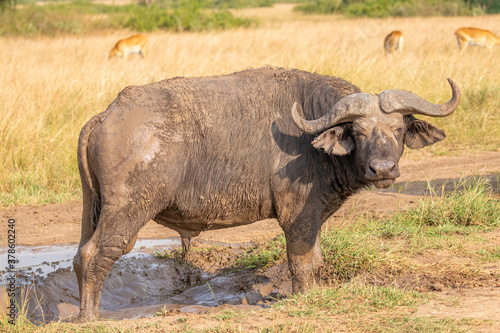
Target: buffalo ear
420	133
335	141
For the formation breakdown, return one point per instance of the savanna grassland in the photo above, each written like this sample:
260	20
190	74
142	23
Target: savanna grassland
377	265
52	85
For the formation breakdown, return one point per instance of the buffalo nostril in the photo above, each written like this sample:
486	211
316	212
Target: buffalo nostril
376	167
381	169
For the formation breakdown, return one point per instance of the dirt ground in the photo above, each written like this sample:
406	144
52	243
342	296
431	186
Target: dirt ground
60	224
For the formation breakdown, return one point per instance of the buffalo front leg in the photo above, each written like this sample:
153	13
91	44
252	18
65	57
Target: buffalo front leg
186	236
113	237
186	245
304	256
318	262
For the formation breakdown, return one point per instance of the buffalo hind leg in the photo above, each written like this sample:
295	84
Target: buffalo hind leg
87	230
114	236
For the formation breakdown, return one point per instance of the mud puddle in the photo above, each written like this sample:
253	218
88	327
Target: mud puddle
140	284
35	263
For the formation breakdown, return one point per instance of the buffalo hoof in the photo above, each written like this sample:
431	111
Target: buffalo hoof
83	318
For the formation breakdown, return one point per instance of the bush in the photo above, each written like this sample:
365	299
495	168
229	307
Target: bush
189	15
241	3
83	17
386	8
319	6
489	6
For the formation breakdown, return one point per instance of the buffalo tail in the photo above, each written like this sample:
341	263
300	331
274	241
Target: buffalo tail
83	164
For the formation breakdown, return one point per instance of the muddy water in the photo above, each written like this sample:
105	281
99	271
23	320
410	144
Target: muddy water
35	263
139	284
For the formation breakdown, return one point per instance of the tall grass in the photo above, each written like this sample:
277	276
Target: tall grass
22	322
51	86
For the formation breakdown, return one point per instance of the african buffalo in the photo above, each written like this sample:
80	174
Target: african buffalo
195	154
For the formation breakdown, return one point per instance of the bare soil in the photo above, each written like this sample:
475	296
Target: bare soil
458	295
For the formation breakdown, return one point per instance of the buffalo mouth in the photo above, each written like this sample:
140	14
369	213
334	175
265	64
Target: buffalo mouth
384	183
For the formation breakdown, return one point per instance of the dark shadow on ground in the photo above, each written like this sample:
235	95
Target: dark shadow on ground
438	187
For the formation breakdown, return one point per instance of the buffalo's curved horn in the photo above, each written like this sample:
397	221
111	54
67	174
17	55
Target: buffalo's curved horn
406	102
345	110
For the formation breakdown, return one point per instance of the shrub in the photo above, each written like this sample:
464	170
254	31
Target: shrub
189	15
83	17
319	6
386	8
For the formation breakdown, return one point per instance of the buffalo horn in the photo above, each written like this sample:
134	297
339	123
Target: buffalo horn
345	110
406	102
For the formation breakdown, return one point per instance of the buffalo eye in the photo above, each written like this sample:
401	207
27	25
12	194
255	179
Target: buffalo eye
361	136
398	132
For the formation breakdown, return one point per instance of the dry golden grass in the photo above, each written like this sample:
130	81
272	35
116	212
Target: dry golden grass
51	86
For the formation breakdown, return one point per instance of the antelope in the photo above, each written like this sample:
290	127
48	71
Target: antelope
126	46
393	42
475	36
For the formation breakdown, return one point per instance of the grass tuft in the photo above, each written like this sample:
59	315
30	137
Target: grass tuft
347	253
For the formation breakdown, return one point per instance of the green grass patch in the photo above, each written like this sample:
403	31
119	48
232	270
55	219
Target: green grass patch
348	252
165	254
320	7
263	255
191	15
